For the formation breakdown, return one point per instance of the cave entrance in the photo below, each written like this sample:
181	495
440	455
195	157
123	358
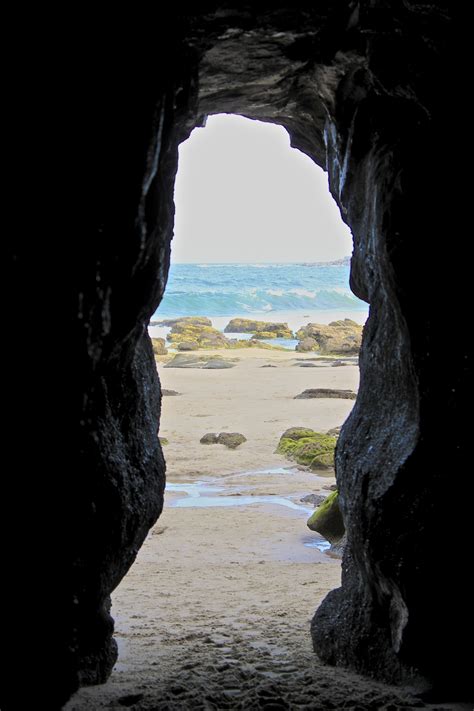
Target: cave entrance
257	237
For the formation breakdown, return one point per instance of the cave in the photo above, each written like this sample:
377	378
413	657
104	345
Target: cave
363	88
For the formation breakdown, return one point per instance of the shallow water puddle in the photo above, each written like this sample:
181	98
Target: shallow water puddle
197	496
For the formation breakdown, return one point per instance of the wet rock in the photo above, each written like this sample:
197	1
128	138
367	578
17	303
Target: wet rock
168	393
334	432
327	519
209	438
326	393
268	365
218	364
315	499
260	329
336	337
305	446
306	365
159	346
232	440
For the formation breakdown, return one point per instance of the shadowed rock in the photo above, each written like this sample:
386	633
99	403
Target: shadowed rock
327	519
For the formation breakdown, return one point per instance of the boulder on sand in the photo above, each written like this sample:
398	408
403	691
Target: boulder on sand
338	337
215	362
194	320
189	335
307	447
209	438
327	519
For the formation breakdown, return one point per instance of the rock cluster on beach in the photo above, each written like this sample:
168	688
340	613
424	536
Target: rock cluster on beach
184	360
341	337
191	333
159	346
307	447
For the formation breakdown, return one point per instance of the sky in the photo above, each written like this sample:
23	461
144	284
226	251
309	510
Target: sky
242	194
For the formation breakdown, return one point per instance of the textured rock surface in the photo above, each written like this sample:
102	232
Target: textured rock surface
366	90
342	337
159	346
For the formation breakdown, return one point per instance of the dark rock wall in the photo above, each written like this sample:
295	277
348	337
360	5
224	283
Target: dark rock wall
364	89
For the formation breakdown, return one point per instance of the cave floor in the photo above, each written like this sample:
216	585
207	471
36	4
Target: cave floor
215	614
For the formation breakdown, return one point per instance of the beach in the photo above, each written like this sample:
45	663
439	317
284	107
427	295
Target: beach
215	612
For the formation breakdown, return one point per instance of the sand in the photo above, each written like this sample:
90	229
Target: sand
215	613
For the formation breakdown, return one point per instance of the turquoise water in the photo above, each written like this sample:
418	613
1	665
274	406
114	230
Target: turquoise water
242	289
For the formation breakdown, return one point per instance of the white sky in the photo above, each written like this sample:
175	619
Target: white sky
243	195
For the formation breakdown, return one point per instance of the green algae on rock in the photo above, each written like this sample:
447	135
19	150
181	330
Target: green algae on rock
327	519
307	447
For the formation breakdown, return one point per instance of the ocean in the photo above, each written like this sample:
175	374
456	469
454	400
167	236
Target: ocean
294	293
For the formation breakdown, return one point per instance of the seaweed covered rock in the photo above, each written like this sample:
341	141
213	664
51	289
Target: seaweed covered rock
336	337
307	447
260	329
159	346
327	519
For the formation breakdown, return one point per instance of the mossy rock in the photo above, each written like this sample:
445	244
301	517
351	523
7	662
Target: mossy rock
163	441
312	449
238	344
327	519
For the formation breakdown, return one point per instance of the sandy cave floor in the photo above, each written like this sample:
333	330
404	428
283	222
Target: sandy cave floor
215	612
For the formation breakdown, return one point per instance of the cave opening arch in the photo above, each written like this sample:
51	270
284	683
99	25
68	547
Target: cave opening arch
328	74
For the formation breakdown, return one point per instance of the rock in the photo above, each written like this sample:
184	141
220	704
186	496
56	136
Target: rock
232	440
306	345
327	519
305	446
209	438
326	393
315	499
268	365
189	335
330	487
306	365
194	320
218	364
340	337
270	329
182	360
163	441
167	393
159	346
189	346
334	432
